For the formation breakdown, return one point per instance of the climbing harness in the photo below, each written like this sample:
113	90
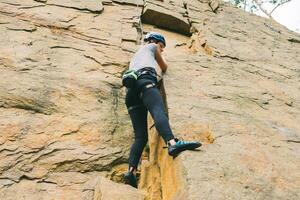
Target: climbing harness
146	70
130	76
150	85
134	107
147	86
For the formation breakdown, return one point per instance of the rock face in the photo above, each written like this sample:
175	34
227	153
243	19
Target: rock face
232	82
106	190
63	120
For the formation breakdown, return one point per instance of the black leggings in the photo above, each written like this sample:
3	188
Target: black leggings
138	106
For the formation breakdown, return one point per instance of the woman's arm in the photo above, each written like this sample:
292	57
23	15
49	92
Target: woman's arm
159	59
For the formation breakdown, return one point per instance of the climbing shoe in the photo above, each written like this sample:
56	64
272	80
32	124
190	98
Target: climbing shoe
130	179
180	146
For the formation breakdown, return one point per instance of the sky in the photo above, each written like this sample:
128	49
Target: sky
289	15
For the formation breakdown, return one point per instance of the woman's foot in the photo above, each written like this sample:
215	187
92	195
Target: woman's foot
130	179
179	146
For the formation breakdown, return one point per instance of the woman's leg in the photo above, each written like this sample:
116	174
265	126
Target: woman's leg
139	121
138	115
153	101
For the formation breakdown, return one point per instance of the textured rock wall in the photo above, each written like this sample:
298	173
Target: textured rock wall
245	94
232	82
63	120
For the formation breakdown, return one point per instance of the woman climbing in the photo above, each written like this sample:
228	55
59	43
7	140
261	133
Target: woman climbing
143	96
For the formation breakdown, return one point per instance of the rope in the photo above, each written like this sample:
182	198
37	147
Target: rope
140	23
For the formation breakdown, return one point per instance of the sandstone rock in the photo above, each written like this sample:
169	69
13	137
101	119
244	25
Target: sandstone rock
232	84
107	190
237	164
214	4
58	78
130	2
94	6
43	1
164	18
69	186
